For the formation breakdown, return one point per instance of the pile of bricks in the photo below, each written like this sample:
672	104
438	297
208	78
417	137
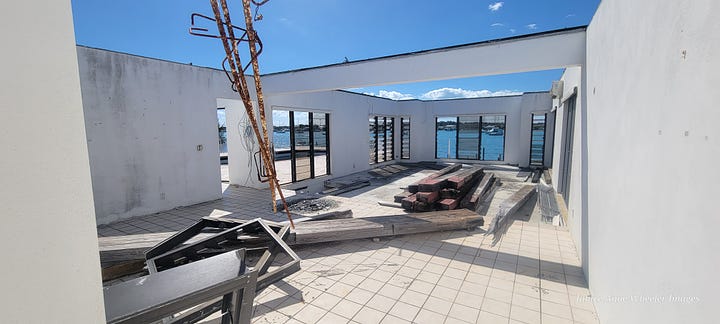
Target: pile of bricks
443	190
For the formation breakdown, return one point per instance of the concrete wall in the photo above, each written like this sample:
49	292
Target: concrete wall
349	114
544	51
653	147
517	109
242	143
50	264
145	119
576	218
349	130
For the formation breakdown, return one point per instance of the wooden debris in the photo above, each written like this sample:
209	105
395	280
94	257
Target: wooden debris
379	226
428	197
444	190
415	187
399	197
459	179
389	204
511	205
479	191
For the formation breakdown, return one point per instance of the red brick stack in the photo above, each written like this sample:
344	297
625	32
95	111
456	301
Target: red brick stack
443	190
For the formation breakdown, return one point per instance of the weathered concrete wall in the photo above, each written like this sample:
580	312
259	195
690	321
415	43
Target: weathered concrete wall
349	114
653	146
517	109
349	130
50	263
145	119
546	51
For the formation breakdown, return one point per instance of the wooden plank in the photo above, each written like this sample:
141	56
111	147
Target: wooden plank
415	187
430	185
409	202
449	204
399	197
428	197
509	206
336	230
438	221
463	177
514	202
479	191
378	226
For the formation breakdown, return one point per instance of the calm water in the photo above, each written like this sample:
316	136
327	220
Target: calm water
492	146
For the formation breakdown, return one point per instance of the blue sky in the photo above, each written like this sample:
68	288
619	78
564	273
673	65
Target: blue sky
299	34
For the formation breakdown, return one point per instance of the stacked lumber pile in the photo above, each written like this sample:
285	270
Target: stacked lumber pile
479	193
443	190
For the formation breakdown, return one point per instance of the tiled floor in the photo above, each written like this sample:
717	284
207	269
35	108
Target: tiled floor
530	275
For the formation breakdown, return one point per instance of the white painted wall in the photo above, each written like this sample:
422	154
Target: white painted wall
349	113
653	147
545	51
145	119
242	143
50	263
572	84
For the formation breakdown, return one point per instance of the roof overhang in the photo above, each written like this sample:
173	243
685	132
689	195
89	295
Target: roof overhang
535	52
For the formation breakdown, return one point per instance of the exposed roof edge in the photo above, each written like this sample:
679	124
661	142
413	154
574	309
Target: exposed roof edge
442	49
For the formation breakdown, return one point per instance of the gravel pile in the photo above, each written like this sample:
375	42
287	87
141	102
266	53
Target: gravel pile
312	205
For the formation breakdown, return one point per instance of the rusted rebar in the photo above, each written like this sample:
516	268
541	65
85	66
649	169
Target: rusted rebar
233	59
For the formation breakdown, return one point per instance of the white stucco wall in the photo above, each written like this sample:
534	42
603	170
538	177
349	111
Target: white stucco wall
242	143
349	113
545	51
653	146
50	263
145	119
572	84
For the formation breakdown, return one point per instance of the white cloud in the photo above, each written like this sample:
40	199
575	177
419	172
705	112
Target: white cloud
497	25
570	16
453	93
512	30
394	95
531	26
444	93
495	6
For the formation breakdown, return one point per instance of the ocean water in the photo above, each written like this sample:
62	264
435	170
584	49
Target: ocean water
491	149
492	146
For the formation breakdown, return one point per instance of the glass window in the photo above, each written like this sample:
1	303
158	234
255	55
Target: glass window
537	140
404	138
493	138
445	137
372	123
468	137
381	139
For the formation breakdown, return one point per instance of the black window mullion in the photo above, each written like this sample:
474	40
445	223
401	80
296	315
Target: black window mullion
457	137
376	140
480	155
292	146
327	143
311	138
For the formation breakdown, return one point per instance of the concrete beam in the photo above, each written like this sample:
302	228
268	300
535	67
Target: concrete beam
542	51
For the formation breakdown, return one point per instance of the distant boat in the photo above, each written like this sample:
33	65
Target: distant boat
495	132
